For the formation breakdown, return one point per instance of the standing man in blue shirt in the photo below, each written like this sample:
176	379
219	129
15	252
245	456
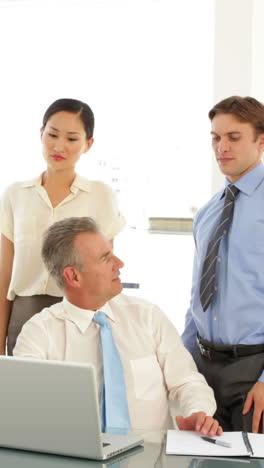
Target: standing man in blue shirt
225	322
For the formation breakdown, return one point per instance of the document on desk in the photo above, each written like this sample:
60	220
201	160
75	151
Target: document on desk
190	443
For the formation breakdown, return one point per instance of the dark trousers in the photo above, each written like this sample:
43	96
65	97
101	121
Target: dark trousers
231	379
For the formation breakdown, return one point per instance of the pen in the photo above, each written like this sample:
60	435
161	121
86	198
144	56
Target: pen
216	441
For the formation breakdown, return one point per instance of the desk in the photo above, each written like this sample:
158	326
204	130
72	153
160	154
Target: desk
152	455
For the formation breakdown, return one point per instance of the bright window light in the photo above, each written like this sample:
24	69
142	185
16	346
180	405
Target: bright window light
146	69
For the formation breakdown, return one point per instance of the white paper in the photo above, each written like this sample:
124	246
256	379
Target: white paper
191	443
257	444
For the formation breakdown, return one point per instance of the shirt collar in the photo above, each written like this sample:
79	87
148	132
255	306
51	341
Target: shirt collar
249	181
33	182
79	183
82	317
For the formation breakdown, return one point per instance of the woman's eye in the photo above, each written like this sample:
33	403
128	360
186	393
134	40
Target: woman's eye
52	135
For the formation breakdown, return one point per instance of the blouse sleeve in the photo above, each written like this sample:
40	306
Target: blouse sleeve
111	221
6	214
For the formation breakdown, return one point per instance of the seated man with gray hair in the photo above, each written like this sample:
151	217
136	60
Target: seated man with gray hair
138	356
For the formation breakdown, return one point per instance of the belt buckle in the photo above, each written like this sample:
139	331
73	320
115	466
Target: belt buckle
205	352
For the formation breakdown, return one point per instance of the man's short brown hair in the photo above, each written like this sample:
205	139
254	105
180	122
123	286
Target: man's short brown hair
245	109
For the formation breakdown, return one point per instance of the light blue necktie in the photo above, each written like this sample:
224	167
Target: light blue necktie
114	408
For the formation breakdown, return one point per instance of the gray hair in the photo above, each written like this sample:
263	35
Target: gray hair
58	249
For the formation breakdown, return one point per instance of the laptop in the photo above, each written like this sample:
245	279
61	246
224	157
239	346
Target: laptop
11	458
52	407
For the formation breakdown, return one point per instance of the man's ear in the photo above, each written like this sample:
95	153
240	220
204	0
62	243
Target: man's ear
71	277
261	142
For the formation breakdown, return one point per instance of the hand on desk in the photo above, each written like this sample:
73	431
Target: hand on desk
199	422
256	397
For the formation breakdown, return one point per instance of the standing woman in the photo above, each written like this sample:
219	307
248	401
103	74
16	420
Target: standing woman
29	208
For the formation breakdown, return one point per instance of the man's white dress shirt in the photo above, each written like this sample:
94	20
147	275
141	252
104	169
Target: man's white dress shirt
157	367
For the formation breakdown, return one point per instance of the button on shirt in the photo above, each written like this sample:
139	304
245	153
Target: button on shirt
26	212
236	314
156	364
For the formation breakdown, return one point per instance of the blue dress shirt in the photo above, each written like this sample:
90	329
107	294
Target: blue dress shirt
236	314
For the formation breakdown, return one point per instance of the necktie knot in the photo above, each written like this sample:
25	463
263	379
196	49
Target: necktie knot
101	319
231	192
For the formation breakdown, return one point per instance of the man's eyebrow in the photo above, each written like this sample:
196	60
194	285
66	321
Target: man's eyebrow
227	133
56	130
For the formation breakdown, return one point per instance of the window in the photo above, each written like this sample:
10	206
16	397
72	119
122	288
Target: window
146	69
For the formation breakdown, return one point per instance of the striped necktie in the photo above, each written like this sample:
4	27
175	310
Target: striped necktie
114	407
207	285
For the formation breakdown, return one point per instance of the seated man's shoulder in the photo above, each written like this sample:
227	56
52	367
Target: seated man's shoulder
126	300
47	314
135	307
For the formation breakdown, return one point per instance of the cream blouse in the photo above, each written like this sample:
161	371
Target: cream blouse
26	212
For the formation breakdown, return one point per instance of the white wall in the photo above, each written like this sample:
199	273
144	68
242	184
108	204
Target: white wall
239	64
257	85
146	69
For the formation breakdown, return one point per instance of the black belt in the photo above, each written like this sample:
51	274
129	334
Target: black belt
214	351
